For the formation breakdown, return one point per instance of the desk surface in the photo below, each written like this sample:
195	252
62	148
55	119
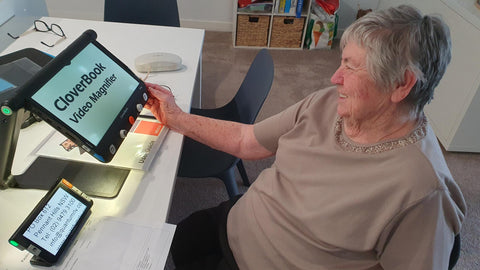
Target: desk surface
145	196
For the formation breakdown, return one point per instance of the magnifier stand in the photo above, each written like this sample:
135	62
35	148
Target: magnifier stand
95	180
9	131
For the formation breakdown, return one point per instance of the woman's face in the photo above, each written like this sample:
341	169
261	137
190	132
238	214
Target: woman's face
359	98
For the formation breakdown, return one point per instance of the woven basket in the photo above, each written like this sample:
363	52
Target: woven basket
287	32
252	30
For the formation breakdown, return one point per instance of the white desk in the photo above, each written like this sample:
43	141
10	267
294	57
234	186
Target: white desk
145	197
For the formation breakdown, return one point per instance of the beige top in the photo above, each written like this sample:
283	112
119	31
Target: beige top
328	203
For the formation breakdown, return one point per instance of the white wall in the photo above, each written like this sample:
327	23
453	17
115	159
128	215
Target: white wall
214	15
75	9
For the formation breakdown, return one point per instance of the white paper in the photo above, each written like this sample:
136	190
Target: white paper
116	244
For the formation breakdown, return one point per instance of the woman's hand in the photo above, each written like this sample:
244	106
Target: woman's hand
161	103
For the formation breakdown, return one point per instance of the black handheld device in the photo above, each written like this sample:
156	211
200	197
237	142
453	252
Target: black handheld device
52	224
89	95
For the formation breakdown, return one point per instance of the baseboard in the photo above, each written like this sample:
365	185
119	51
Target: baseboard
207	25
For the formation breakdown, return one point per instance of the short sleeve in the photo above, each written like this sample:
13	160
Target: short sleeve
269	131
423	236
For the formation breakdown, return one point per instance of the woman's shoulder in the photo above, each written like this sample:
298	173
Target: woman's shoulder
323	100
325	94
428	170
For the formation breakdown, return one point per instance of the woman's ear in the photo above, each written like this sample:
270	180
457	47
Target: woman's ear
401	91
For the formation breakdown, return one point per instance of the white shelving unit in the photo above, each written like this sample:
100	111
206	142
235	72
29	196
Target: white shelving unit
270	28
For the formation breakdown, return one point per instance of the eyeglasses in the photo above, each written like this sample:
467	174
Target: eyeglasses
41	26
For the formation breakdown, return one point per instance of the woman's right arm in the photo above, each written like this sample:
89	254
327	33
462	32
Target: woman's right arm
234	138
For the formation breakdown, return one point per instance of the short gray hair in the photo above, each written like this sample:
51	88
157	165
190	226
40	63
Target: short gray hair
399	39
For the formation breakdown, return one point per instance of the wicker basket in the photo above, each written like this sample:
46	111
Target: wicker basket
252	30
287	32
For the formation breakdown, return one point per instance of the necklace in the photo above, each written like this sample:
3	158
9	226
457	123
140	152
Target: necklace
417	134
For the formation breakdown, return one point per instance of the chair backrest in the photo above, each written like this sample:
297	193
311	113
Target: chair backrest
455	253
255	87
155	12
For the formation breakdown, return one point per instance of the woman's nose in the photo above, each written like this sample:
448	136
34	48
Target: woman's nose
337	77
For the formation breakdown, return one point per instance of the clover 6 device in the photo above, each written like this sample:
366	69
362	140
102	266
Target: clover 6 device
89	95
53	223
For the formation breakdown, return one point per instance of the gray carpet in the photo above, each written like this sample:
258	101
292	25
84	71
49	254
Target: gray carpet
297	73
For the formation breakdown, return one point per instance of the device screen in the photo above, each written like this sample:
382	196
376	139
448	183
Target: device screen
88	94
54	223
17	73
4	85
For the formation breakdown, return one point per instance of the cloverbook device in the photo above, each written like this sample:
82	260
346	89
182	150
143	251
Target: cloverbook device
52	224
88	95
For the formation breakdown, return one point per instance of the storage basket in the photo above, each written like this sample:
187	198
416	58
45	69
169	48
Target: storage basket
252	30
287	32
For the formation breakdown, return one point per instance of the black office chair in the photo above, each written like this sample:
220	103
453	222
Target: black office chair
455	254
155	12
198	160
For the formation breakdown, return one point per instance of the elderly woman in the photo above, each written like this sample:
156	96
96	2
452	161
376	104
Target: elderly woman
359	180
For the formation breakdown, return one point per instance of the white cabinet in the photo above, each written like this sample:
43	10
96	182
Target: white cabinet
263	25
454	113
